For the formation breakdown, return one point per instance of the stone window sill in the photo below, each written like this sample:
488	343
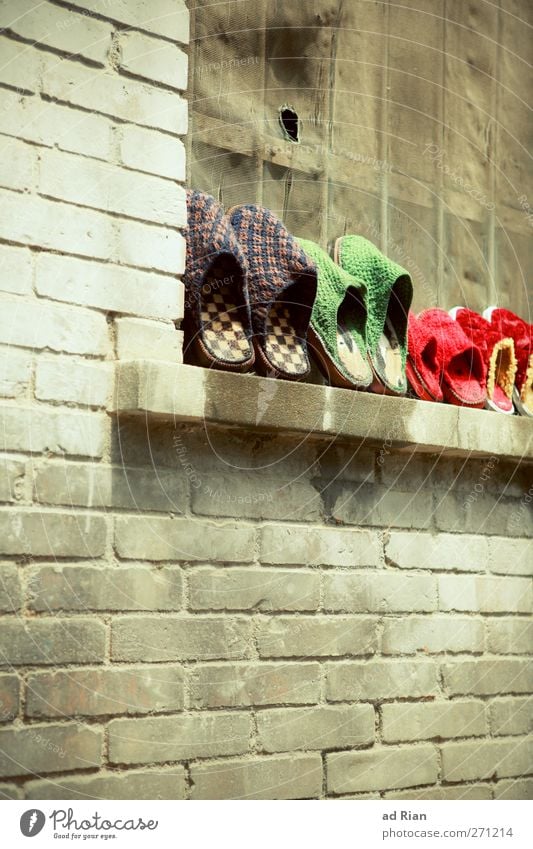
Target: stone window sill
181	393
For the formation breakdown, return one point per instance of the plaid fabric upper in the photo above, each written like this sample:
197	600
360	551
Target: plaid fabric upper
212	248
275	262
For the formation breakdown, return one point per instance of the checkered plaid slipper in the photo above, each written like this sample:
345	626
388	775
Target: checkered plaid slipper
282	287
338	323
389	292
217	324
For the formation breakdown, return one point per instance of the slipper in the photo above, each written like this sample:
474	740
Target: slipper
282	284
455	362
506	323
423	367
217	323
498	355
338	322
389	292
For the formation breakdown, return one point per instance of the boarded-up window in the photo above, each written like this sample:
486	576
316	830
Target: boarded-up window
404	124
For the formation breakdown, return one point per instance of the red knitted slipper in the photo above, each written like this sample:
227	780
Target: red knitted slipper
423	367
506	323
498	357
453	358
282	285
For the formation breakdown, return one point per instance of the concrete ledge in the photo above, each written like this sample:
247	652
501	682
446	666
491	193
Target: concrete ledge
180	393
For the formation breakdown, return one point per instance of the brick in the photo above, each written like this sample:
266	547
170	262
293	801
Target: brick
110	94
380	679
149	638
72	381
38	430
15	269
47	642
510	636
344	463
175	738
292	545
106	287
168	783
142	339
107	187
11	479
152	247
10	588
77	34
152	152
21	66
32	220
182	539
164	17
97	692
251	495
92	588
43	325
379	506
246	684
289	729
9	697
510	556
379	593
253	589
461	792
49	748
464	553
409	722
488	595
515	789
487	677
110	486
50	124
485	759
17	164
308	636
289	777
490	515
381	769
511	716
54	534
432	634
11	791
15	372
153	59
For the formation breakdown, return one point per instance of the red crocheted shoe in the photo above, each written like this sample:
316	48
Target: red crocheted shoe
217	325
443	355
498	357
282	284
423	367
506	323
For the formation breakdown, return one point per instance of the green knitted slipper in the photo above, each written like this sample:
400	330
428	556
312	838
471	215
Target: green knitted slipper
338	319
389	292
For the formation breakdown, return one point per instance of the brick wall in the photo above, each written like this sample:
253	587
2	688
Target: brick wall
190	612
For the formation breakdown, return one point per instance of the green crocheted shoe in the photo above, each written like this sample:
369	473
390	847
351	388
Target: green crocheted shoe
337	329
389	292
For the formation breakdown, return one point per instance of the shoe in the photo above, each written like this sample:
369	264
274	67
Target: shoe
498	356
217	322
441	354
506	323
282	284
338	323
389	292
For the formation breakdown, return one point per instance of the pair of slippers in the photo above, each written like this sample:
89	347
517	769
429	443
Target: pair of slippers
470	360
358	326
249	291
